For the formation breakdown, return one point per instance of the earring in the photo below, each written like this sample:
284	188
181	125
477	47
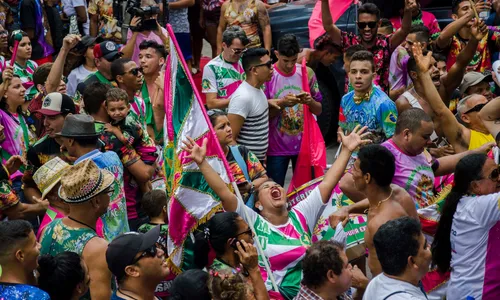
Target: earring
260	208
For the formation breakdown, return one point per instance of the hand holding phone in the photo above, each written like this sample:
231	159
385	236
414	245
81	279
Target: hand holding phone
247	254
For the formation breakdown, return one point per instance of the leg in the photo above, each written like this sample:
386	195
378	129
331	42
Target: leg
197	33
277	167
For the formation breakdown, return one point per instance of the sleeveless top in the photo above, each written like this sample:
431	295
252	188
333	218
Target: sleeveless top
247	20
58	238
477	139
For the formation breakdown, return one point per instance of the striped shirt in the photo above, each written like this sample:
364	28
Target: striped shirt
26	76
251	104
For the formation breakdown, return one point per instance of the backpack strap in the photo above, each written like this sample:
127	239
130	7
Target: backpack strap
243	166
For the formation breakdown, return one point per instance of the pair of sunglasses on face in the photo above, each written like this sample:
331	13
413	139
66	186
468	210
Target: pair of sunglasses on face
363	25
268	64
476	108
150	252
135	71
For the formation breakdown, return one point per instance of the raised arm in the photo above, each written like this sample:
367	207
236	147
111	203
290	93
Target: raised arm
56	72
452	80
490	114
444	39
197	154
452	130
334	32
400	35
349	144
128	50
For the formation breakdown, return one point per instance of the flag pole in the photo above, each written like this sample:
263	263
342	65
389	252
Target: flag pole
221	153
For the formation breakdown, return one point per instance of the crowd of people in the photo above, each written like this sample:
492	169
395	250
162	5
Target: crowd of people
84	211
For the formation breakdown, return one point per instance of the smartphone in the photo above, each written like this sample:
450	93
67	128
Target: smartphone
301	95
233	245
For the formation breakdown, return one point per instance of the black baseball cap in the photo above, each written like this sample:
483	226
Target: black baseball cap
123	249
107	49
56	103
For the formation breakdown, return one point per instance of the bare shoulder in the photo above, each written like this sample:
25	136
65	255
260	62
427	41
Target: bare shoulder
405	200
95	248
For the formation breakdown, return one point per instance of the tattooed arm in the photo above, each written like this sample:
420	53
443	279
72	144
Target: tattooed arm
490	114
265	25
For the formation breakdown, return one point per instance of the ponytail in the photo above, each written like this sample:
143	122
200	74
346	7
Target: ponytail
214	235
468	169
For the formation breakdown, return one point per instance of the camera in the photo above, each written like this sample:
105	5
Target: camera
144	12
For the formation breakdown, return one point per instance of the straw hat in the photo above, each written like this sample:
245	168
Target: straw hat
83	182
49	175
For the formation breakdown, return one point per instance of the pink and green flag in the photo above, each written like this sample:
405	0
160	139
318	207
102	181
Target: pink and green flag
192	201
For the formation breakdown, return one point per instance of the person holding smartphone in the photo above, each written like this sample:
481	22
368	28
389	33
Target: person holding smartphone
286	123
232	240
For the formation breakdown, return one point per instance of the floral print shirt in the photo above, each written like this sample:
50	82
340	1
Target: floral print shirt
482	58
381	55
108	26
21	292
247	20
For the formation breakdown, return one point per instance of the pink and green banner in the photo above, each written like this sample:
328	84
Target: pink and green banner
192	201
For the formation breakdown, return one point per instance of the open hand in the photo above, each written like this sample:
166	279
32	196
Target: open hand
355	139
247	254
423	62
196	153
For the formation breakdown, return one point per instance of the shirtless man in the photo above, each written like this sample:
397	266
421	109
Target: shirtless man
415	168
372	173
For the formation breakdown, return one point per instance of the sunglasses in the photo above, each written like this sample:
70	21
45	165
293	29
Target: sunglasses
151	252
362	25
248	231
268	64
494	174
476	108
212	112
135	71
237	51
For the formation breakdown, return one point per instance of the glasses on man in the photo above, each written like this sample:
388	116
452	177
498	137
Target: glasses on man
135	71
237	51
268	64
476	108
363	25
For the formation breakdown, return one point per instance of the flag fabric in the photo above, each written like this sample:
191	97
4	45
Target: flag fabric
311	161
192	201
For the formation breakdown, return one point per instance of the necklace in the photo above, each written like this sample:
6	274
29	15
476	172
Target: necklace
81	223
380	202
121	291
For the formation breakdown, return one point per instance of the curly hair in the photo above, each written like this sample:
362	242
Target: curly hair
319	259
225	285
